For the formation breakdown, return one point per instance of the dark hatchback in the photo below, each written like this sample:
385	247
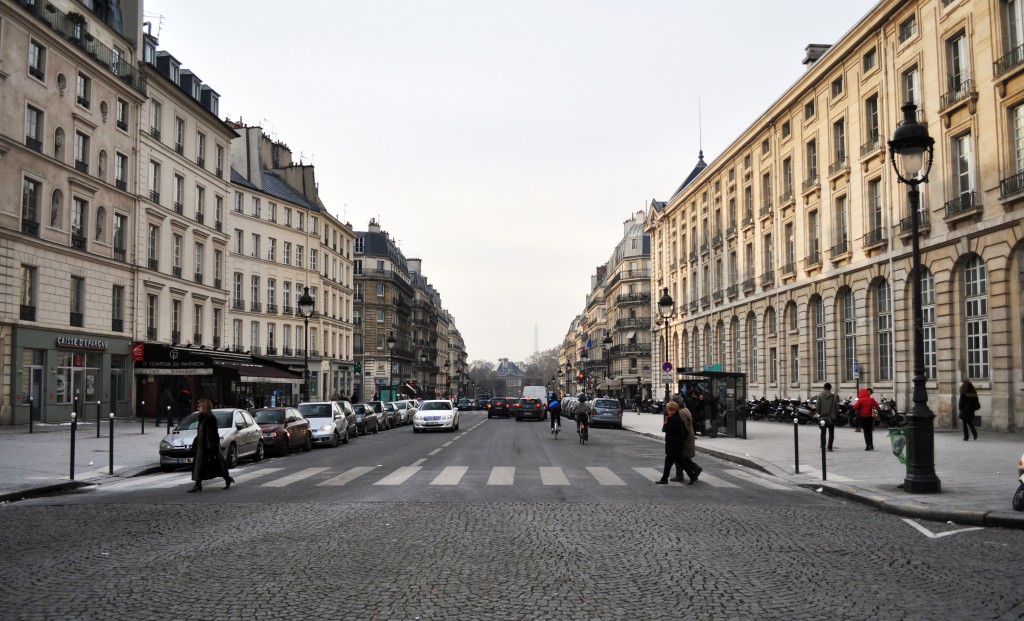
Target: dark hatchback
530	408
283	429
499	407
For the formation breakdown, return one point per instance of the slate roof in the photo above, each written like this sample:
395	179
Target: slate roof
701	165
275	186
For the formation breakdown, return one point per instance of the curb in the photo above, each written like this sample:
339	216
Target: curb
36	492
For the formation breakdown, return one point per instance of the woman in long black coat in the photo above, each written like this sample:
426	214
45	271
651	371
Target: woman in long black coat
680	445
209	461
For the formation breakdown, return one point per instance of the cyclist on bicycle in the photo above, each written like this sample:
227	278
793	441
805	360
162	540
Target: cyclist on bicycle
582	412
555	409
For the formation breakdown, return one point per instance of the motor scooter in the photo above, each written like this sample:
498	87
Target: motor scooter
1018	496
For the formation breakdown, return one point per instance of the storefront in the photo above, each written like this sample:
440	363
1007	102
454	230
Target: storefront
57	373
190	374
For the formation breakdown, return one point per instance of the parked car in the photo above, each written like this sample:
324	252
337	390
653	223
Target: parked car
466	404
529	407
498	406
328	422
568	405
240	437
367	419
393	414
438	414
350	416
385	420
283	429
606	412
407	408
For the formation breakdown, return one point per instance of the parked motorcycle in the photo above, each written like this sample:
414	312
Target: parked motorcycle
845	412
1018	496
888	415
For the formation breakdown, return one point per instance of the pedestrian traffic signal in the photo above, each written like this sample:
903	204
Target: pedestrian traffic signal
359	367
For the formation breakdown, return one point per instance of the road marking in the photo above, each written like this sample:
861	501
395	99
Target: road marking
451	475
434	452
447	444
502	475
605	476
348	476
714	481
292	478
419	462
553	476
651	474
756	480
931	535
399	476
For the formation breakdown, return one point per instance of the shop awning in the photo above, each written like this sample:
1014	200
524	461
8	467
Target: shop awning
160	359
260	373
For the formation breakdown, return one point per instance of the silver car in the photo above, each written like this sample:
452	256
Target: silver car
327	421
407	408
605	411
240	436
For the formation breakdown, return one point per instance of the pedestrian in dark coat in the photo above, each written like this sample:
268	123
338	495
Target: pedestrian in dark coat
209	461
680	445
967	406
828	410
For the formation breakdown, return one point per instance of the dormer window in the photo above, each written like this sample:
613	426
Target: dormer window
175	72
215	105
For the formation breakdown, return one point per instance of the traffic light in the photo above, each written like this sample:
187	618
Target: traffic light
580	376
359	367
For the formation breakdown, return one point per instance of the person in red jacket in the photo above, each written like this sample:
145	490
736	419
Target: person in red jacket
866	406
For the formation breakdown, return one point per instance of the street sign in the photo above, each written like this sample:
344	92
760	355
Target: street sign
666	377
856	369
666	367
712	367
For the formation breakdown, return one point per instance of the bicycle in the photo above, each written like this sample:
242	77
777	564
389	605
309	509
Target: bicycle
582	427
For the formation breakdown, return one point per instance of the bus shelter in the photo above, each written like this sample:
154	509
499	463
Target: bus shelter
714	398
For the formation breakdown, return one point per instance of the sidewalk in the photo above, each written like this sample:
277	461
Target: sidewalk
978	478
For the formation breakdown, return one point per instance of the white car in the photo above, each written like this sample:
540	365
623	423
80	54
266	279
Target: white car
327	421
407	408
436	414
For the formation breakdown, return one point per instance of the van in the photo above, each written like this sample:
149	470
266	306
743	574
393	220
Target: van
536	392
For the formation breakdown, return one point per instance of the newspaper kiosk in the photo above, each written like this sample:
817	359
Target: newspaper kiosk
714	398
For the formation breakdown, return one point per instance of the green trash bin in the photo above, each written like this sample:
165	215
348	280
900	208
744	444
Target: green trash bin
899	436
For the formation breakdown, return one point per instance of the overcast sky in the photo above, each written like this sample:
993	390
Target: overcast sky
503	143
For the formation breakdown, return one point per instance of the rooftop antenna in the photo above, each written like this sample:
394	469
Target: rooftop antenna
700	129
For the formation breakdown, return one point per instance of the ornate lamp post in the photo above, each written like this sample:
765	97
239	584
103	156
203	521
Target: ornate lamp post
391	341
447	378
914	149
568	377
584	356
666	308
606	344
423	365
640	386
306	307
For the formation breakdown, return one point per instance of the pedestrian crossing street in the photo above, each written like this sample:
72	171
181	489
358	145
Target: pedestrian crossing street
449	476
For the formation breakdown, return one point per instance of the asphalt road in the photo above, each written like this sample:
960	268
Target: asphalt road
496	521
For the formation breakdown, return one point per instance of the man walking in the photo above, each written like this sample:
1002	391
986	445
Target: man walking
828	409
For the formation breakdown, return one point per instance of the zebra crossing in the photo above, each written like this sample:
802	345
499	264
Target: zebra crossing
450	476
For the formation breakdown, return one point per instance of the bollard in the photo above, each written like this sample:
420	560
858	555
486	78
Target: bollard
821	423
98	404
796	444
142	417
74	426
30	411
168	420
111	443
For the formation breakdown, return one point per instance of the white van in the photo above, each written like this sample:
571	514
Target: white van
536	392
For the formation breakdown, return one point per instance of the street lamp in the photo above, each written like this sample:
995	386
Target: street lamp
391	359
306	306
915	148
666	308
568	377
447	378
606	344
639	386
423	365
584	356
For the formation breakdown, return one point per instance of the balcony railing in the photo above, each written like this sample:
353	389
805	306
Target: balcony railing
77	320
78	241
814	258
959	90
718	296
256	350
154	264
120	254
874	237
704	248
198	277
963	203
176	271
218	225
200	217
730	232
201	161
788	269
122	125
81	166
238	304
151	334
748	284
217	283
810	183
872	143
178	208
272	308
693	256
175	337
1011	185
121	184
286	351
705	301
840	248
732	290
197	338
633	298
28	313
154	196
768	278
117	325
1009	61
154	132
748	219
32	143
256	307
179	148
28	227
786	197
271	351
287	310
694	306
766	210
839	165
716	240
637	323
216	342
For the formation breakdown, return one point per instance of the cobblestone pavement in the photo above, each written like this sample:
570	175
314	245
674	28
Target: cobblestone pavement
500	561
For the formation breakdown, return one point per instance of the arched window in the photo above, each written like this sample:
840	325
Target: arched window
883	330
752	346
820	344
708	352
737	346
976	317
720	344
849	332
928	322
769	321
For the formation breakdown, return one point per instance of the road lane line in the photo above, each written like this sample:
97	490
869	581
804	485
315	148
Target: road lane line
434	452
419	462
502	475
756	480
553	476
347	477
451	475
305	473
399	476
651	474
605	476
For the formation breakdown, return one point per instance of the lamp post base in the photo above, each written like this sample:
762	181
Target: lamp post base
921	477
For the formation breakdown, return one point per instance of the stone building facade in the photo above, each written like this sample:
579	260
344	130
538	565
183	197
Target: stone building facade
788	256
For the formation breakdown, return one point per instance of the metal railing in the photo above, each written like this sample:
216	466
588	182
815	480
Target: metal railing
1009	60
1011	185
959	90
965	202
875	236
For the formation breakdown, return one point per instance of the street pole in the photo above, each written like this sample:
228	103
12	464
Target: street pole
666	308
306	305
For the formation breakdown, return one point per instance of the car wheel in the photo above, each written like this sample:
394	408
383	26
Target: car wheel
261	453
232	459
456	424
344	438
335	440
307	446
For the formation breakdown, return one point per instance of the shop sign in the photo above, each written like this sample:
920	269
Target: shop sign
80	343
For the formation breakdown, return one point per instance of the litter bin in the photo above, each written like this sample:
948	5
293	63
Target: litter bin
898	437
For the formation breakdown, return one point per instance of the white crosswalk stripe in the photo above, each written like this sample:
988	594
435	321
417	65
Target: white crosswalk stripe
651	474
305	473
451	475
347	477
399	476
714	481
502	475
756	480
553	476
604	476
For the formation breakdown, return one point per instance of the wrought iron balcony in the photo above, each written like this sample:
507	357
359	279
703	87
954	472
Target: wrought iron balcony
256	350
286	351
218	225
961	204
730	232
28	313
748	219
238	304
154	196
1009	61
117	325
766	210
28	227
216	342
287	310
120	254
151	334
768	278
1014	184
197	338
788	269
840	248
272	309
78	241
814	258
705	301
718	296
175	337
732	290
271	351
178	207
81	166
32	143
256	307
200	217
704	248
176	271
959	90
839	165
874	237
810	183
121	184
216	283
873	142
716	240
786	197
198	277
748	284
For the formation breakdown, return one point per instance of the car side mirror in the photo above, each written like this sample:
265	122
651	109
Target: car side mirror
239	426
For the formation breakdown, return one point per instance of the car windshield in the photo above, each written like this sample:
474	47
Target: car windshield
401	406
191	422
360	408
316	410
606	403
269	417
436	405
